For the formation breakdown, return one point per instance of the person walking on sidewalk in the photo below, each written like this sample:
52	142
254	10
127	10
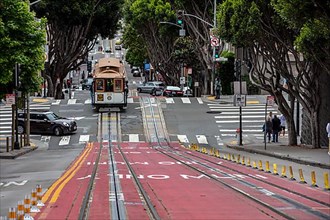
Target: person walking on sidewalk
267	128
276	128
328	131
283	125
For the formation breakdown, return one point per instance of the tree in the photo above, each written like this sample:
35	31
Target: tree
22	40
255	25
73	26
310	19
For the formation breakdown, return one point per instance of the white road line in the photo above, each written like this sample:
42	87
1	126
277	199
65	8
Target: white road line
130	100
88	101
64	140
83	138
199	100
186	100
133	137
72	101
245	113
183	138
201	139
57	102
236	116
244	130
169	100
243	121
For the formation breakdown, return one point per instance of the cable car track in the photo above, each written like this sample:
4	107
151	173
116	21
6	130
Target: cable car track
117	206
169	151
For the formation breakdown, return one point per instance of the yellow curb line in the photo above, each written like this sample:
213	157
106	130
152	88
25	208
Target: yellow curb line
252	102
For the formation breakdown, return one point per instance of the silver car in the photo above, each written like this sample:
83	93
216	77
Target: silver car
149	87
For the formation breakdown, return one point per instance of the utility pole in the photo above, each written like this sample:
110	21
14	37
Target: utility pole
213	56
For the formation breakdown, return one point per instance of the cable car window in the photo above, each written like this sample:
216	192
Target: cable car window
109	85
118	85
99	85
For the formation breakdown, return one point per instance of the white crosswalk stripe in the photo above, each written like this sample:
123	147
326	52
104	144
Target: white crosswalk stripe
6	117
253	117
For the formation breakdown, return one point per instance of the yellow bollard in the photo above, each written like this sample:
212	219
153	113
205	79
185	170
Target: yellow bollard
243	160
229	157
267	167
217	153
275	169
260	166
291	173
301	175
313	178
326	181
254	165
233	158
248	162
283	174
238	160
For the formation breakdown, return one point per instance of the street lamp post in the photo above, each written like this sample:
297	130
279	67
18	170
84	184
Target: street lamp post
16	144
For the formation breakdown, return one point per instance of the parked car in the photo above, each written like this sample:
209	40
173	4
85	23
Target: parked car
87	83
173	91
136	73
148	87
134	68
46	122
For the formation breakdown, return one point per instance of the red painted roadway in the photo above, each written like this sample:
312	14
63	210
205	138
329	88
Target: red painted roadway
176	191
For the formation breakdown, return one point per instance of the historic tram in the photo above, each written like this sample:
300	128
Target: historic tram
109	87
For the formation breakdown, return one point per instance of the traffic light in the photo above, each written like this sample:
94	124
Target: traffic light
89	66
179	15
217	51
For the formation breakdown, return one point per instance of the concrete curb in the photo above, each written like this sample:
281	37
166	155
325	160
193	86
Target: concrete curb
325	166
16	153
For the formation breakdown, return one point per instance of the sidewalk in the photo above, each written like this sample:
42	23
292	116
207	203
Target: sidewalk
299	154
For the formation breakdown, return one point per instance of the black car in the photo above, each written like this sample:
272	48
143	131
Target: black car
87	83
46	122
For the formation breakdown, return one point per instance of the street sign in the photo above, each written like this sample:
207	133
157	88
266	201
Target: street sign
270	100
240	100
182	32
214	41
10	99
182	80
221	59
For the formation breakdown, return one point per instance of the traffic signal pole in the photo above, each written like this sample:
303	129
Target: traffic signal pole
16	144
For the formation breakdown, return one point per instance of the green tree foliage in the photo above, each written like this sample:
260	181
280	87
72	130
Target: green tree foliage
22	40
73	26
310	19
270	44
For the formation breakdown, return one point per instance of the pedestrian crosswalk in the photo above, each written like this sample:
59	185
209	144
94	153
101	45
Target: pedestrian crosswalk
135	99
6	117
253	118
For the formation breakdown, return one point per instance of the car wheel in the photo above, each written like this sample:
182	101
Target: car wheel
153	92
139	90
58	131
20	129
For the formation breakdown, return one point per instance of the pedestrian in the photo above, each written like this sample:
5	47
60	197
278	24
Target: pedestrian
276	128
267	128
328	131
83	75
217	88
270	115
283	124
